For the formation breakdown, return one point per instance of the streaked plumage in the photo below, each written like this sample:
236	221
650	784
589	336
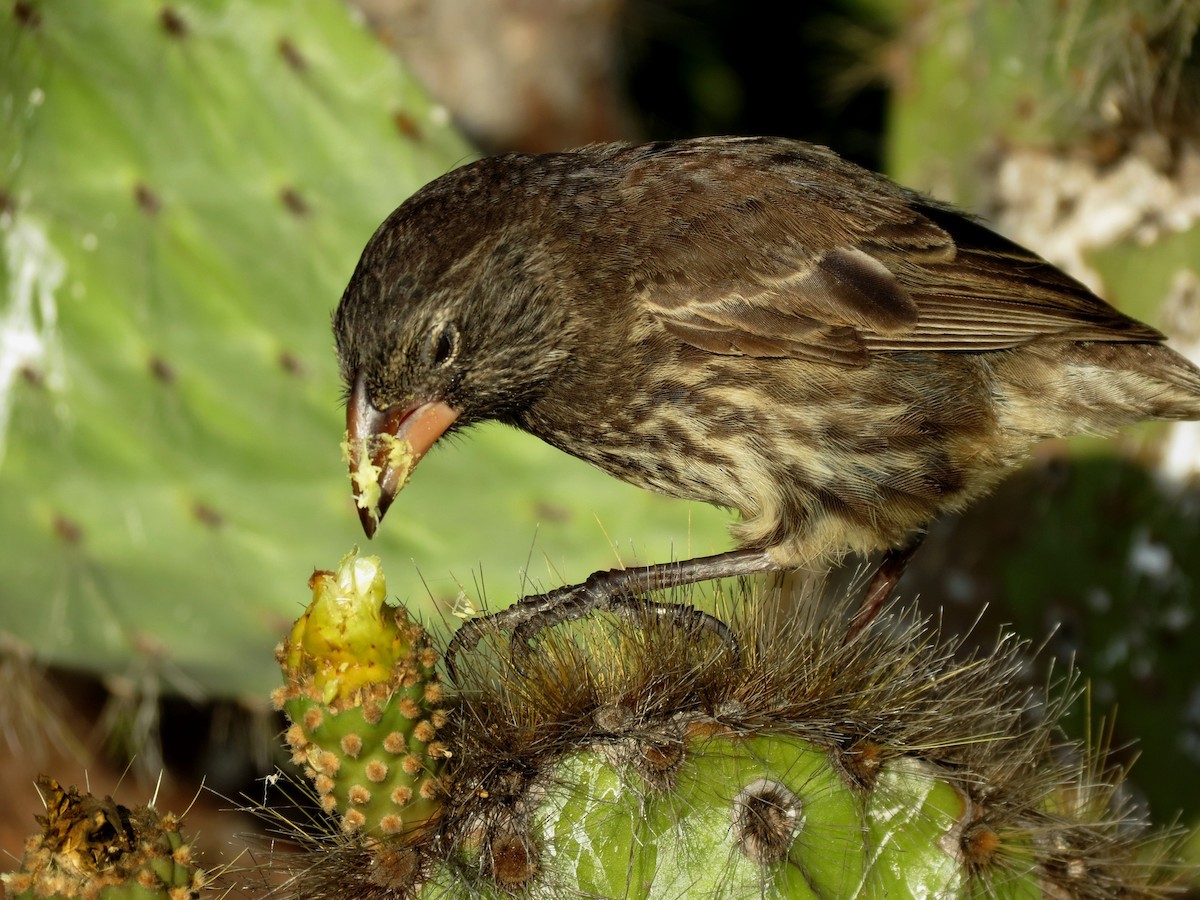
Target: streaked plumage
749	322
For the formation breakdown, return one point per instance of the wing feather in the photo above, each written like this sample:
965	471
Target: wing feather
779	248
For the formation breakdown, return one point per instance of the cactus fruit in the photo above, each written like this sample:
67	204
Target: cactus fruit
636	758
93	849
363	698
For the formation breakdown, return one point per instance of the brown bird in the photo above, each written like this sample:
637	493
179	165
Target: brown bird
751	322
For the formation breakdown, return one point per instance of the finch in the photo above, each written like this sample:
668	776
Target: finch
754	323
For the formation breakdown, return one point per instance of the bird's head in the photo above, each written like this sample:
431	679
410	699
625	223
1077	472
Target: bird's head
445	322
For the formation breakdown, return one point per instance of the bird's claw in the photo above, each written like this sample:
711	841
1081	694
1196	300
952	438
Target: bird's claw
472	631
619	591
629	608
530	616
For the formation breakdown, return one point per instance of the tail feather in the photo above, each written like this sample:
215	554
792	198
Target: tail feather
1163	383
1061	388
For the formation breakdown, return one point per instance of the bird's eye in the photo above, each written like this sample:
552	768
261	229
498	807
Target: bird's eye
443	344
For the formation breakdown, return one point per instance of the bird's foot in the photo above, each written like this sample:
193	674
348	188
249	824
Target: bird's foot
635	609
618	591
882	583
526	619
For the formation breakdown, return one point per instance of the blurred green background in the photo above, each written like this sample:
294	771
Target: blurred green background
184	191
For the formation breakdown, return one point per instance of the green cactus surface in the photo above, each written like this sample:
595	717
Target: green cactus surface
95	849
976	79
185	188
762	816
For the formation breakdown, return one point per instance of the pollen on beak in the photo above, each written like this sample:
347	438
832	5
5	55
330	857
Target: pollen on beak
383	446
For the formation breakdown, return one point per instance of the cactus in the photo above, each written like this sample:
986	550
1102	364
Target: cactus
1072	127
93	849
635	758
185	187
362	697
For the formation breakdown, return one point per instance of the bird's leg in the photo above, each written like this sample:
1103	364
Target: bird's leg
882	583
617	591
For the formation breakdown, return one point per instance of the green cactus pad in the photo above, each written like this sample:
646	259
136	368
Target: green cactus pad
93	849
734	823
363	697
766	816
185	188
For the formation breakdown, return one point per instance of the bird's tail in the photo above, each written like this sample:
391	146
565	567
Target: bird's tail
1096	387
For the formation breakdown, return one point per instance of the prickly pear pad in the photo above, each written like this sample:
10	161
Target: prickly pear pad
362	695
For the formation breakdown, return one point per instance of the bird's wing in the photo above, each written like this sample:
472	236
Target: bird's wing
829	262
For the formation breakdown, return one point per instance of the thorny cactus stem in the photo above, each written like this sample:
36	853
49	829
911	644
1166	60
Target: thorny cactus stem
627	759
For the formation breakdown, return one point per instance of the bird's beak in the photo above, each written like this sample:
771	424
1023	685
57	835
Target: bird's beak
383	446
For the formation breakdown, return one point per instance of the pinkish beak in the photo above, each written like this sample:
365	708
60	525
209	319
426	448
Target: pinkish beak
385	445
